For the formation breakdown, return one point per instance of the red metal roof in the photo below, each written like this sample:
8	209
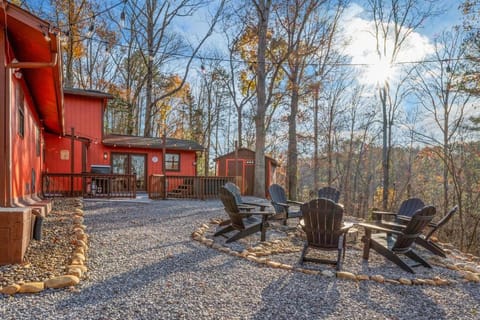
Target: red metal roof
39	61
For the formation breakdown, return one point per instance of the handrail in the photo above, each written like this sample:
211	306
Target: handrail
88	185
185	187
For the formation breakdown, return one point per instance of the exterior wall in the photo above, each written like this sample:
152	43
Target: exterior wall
243	154
56	163
95	154
187	159
85	115
246	159
26	161
58	154
21	150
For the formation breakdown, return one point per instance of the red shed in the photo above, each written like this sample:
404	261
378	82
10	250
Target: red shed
245	168
85	144
31	106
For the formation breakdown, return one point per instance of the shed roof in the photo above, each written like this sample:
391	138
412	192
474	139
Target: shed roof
87	93
150	143
36	47
230	154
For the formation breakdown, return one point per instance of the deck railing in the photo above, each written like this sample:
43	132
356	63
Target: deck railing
185	187
88	185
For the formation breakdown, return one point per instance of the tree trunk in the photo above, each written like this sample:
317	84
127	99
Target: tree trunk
445	154
316	165
330	146
149	83
292	159
385	148
263	11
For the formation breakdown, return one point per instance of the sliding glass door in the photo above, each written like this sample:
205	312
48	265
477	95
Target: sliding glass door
128	163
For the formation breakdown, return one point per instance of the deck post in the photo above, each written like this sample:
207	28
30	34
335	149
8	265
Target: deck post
72	159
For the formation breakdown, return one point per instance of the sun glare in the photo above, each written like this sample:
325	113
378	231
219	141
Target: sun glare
379	72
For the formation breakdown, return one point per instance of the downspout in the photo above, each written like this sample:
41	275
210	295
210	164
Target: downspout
5	134
34	65
37	65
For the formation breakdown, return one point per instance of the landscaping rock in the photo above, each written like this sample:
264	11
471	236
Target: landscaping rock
11	289
62	281
378	278
346	275
31	287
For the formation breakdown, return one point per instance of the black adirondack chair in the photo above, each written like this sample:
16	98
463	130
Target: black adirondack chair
329	193
407	209
243	222
424	239
242	205
324	228
405	237
282	205
235	190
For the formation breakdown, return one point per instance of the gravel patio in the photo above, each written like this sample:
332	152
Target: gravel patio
143	264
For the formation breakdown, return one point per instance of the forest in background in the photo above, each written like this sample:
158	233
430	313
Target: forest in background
282	80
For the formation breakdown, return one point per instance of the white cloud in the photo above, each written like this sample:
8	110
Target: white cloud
362	47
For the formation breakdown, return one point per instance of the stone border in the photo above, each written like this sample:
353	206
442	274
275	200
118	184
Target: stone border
469	272
74	271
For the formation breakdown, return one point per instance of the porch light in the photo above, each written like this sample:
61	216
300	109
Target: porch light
105	156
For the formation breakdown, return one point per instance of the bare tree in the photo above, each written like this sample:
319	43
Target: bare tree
241	90
301	37
437	89
153	29
394	21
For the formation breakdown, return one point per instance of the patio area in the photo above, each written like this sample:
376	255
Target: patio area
144	264
284	245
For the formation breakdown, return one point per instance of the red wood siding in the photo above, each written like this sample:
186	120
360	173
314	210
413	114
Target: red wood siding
187	159
246	160
24	155
58	162
84	114
55	145
95	154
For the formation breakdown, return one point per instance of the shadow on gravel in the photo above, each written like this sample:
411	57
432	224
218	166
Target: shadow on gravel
330	297
323	300
128	283
400	302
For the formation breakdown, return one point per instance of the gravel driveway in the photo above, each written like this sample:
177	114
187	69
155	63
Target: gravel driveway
144	265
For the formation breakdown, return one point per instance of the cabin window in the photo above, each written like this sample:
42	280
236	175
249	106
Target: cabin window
172	161
37	141
21	110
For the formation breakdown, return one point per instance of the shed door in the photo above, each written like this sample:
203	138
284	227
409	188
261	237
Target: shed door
236	172
249	178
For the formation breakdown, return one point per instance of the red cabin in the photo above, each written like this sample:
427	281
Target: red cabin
31	106
85	147
245	168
